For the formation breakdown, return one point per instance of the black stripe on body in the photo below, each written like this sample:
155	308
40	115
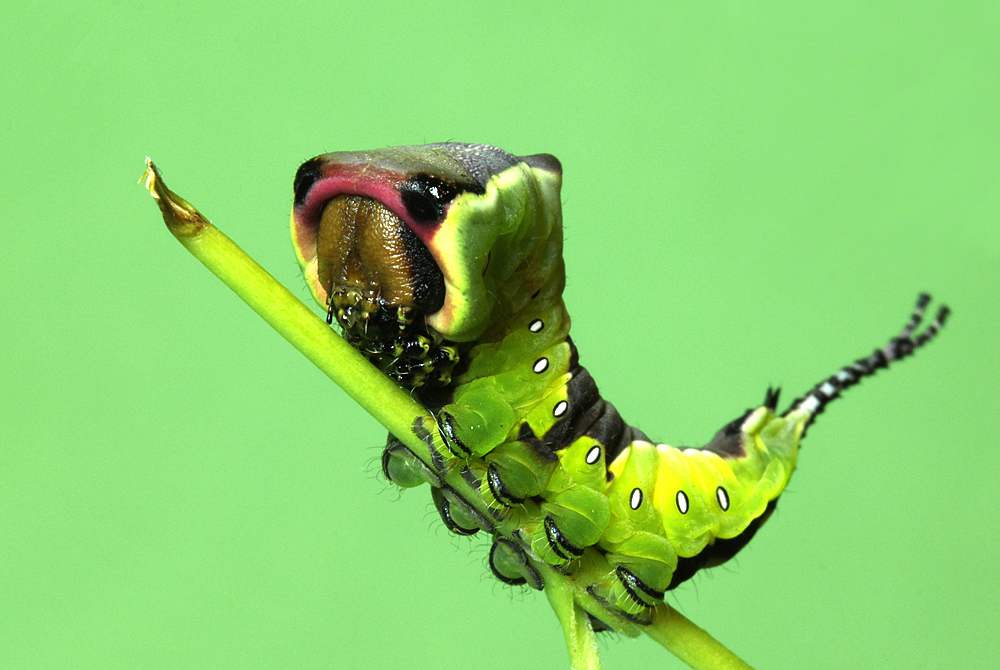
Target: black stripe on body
719	551
589	414
729	442
526	434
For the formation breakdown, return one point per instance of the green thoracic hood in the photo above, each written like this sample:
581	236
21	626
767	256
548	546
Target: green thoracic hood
460	236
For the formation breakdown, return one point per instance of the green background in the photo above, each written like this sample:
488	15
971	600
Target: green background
754	194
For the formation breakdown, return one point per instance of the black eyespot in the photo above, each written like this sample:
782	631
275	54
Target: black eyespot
425	197
307	175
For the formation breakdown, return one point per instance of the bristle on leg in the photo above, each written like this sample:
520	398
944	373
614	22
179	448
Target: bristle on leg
899	347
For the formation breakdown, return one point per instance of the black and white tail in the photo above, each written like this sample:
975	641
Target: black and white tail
899	347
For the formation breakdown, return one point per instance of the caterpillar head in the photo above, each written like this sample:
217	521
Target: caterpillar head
419	251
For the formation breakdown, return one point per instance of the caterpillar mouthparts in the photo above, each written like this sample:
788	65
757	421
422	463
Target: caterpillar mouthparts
392	337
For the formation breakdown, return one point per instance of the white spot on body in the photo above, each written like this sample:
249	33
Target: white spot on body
827	389
560	408
536	326
594	455
541	365
635	499
723	497
682	502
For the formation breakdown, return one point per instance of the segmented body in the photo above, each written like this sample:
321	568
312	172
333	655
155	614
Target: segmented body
485	346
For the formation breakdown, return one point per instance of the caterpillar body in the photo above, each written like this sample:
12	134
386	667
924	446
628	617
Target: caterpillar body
443	265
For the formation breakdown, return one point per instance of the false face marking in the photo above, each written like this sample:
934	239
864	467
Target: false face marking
426	197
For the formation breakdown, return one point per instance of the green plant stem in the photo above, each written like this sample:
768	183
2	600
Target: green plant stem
690	643
581	642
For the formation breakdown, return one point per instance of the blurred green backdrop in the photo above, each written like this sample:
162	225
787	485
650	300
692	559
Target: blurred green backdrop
754	195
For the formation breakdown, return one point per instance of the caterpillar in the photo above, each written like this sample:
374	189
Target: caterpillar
443	265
